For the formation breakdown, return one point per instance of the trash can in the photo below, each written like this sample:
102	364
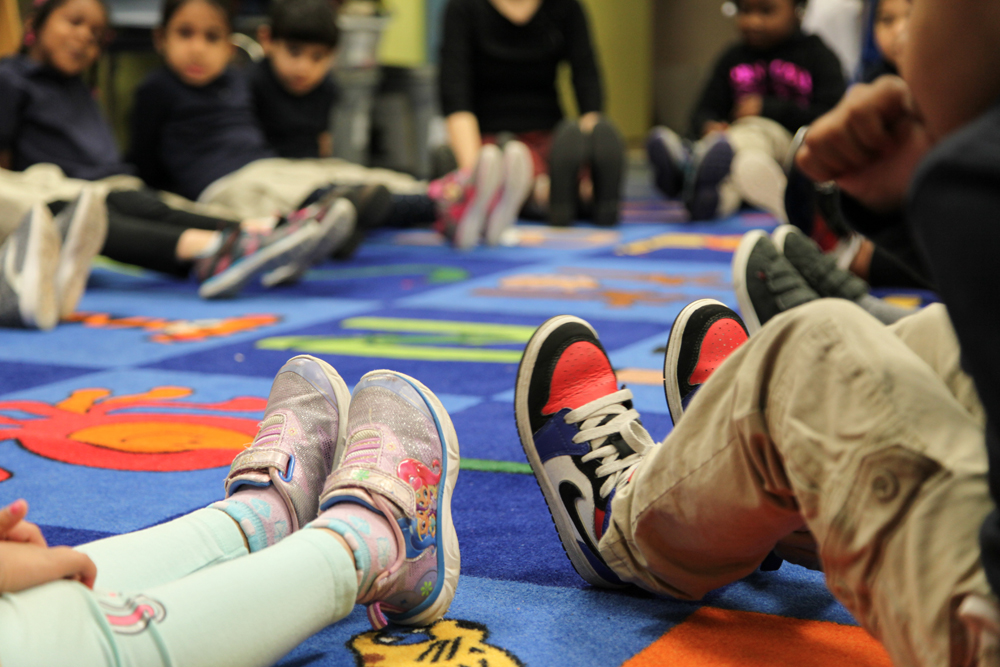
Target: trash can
357	75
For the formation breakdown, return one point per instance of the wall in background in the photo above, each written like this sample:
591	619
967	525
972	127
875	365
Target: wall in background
621	29
623	32
688	37
404	43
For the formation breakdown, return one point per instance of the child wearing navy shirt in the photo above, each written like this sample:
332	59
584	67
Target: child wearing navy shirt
48	115
292	90
194	132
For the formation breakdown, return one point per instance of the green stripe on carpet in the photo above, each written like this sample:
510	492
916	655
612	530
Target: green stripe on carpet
496	466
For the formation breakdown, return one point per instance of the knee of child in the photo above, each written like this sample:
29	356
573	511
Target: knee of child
821	312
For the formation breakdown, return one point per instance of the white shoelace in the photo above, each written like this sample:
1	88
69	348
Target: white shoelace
624	423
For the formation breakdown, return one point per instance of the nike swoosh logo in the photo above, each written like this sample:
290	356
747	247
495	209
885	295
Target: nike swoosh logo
570	494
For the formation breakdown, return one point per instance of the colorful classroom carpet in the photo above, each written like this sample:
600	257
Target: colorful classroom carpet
129	416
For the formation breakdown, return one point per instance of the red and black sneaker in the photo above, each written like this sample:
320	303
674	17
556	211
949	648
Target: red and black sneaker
704	334
581	435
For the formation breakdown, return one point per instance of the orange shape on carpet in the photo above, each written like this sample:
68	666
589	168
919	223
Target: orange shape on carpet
723	638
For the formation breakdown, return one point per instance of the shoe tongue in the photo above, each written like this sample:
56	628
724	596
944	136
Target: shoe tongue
581	375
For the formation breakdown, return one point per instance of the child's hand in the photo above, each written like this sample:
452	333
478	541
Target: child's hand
26	560
13	528
870	143
748	105
24	565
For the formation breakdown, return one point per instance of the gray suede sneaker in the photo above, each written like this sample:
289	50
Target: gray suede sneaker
818	269
765	282
30	257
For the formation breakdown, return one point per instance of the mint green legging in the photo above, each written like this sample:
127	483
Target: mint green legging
184	593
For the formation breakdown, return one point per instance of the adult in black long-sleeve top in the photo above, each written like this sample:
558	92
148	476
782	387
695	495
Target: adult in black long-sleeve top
798	80
498	67
505	73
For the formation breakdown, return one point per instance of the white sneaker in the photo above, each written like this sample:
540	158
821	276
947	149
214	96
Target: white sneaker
30	258
519	172
83	227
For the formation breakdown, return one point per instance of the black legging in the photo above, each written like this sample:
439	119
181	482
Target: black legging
144	231
603	150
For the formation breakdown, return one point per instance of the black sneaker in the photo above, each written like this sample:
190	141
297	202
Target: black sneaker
820	270
711	167
30	259
765	282
373	204
807	202
83	227
704	334
581	435
669	156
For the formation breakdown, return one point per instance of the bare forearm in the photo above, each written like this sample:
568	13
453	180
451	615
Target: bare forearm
464	138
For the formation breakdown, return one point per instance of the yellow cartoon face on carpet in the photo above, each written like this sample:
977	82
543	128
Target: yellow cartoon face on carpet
447	643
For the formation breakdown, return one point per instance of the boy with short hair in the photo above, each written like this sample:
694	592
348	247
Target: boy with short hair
872	438
292	89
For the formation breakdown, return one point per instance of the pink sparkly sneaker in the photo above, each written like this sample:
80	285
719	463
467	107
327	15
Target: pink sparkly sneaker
401	461
466	199
298	438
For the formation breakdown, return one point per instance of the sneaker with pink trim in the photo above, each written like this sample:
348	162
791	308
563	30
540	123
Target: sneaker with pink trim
465	199
304	425
401	460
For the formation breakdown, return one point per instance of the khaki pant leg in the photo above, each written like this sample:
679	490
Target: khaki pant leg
754	140
929	333
761	134
277	185
824	418
20	190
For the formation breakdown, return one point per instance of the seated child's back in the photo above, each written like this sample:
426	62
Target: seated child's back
293	93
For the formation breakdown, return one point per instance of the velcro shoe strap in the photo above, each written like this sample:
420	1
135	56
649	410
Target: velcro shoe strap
258	460
376	481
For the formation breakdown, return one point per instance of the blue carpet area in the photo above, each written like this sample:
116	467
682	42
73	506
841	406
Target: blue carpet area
128	416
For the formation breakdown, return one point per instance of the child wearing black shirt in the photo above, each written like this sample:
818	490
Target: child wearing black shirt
293	93
760	92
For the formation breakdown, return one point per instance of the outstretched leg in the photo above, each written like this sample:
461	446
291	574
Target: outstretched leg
824	418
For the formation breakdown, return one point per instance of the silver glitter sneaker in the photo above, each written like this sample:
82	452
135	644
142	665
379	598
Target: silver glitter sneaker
401	460
298	438
29	258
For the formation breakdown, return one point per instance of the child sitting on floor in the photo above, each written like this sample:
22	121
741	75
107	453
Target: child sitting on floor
761	91
891	17
194	132
888	258
293	93
302	536
499	60
48	115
